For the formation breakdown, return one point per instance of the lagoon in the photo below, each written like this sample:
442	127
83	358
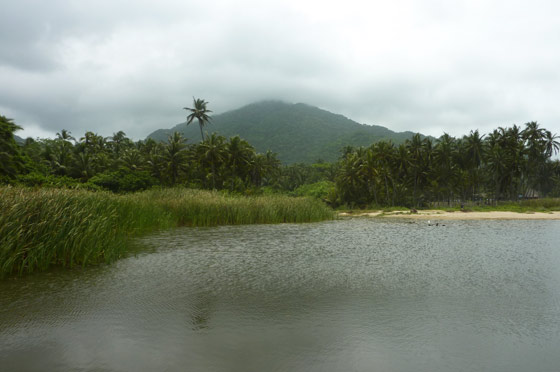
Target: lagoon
357	294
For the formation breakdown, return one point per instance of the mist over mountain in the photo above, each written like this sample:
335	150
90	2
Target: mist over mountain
296	132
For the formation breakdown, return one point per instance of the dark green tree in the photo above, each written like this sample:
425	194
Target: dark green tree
11	160
212	151
199	112
175	156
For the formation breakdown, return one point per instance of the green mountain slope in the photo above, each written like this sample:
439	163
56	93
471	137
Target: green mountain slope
19	139
296	132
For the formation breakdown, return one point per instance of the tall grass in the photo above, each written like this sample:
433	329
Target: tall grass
44	227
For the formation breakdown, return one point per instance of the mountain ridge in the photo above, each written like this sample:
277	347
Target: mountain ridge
296	132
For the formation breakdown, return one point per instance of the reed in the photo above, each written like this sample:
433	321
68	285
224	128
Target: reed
44	227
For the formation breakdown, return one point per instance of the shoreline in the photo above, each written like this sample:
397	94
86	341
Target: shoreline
458	215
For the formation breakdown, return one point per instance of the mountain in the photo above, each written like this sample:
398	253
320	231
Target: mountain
19	139
296	132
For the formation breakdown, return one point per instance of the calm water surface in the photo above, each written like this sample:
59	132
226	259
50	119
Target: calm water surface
349	295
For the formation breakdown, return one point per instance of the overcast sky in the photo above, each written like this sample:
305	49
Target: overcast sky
426	65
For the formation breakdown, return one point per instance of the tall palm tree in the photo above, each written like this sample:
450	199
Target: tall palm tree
156	160
474	154
199	112
551	144
446	168
11	162
384	152
415	147
239	153
213	151
176	156
83	166
118	142
350	183
369	172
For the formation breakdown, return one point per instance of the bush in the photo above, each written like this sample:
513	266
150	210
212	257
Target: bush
35	179
320	190
123	181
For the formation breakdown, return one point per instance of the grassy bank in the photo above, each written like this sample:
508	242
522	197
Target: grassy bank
44	227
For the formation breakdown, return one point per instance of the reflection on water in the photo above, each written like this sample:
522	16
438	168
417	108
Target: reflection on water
359	294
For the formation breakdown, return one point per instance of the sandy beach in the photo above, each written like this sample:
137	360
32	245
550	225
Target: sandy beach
443	215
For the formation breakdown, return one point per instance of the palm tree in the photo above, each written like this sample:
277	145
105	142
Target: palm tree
384	153
11	162
264	166
474	153
156	161
65	135
212	151
118	141
415	147
83	166
132	159
59	152
446	168
350	183
239	154
199	112
175	155
551	144
498	164
370	173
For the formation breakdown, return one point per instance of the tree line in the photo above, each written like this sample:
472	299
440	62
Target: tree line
507	164
119	164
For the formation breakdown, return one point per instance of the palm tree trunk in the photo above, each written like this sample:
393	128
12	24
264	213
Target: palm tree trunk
394	191
234	174
213	176
415	185
200	125
386	189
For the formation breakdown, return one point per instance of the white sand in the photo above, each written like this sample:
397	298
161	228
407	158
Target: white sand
443	215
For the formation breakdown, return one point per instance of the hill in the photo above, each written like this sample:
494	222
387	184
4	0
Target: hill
296	132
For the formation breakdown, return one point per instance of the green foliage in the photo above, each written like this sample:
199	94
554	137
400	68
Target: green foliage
175	157
292	176
322	190
36	179
44	227
123	180
11	160
508	164
120	165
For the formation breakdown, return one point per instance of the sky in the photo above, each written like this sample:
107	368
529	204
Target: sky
428	66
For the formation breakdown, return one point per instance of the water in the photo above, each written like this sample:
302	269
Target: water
356	295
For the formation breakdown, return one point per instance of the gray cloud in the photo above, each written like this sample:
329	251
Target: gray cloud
428	66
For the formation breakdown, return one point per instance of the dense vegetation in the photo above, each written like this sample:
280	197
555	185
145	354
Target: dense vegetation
507	164
47	226
120	165
298	133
